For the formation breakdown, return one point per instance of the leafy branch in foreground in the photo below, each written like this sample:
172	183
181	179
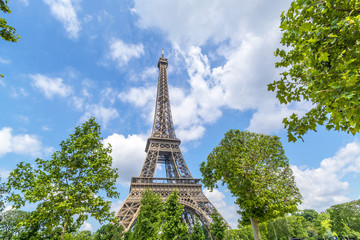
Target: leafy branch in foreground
7	32
321	59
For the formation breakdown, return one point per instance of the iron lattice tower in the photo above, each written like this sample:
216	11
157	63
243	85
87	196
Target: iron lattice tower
164	148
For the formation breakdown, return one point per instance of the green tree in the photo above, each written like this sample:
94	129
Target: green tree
322	224
197	231
297	226
128	235
80	235
148	222
309	214
242	233
345	218
111	231
256	171
69	183
172	225
29	232
6	32
322	62
217	226
9	223
2	192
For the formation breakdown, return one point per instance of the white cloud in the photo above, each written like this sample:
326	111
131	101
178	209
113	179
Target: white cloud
78	102
190	23
86	227
147	75
25	2
325	186
100	112
8	208
65	12
127	155
46	128
140	97
108	95
18	92
51	86
229	212
186	21
269	118
243	78
122	53
150	72
245	36
23	119
4	173
115	206
21	144
4	61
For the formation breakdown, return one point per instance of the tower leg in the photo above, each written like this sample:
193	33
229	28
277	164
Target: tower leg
129	212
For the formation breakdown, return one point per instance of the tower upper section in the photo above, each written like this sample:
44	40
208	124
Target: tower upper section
163	124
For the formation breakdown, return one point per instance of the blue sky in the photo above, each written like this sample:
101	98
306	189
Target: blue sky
77	59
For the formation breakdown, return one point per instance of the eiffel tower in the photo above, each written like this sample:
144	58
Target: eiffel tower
164	148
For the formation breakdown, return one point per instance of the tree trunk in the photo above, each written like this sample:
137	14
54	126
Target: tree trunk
64	229
256	229
274	231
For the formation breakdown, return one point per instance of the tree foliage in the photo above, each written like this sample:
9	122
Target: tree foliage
148	222
173	227
80	235
7	32
322	62
111	231
345	218
9	223
256	171
197	231
217	226
69	183
309	214
2	192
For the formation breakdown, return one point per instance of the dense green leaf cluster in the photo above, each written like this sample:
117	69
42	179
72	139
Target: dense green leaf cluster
7	32
281	228
322	62
9	223
197	231
256	171
2	192
345	219
159	220
217	227
340	221
172	226
148	222
111	231
69	183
